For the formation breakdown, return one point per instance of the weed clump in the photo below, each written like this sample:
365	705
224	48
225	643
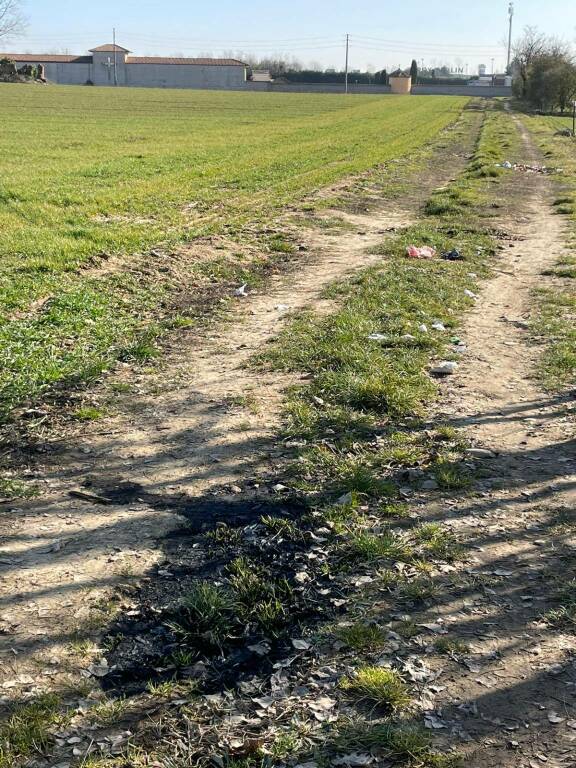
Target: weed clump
362	637
378	686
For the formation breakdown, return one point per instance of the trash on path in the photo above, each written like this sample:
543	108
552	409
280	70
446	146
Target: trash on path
423	252
453	255
438	326
445	368
527	168
93	497
470	294
481	453
241	291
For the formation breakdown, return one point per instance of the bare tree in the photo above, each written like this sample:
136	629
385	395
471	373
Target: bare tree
12	20
527	49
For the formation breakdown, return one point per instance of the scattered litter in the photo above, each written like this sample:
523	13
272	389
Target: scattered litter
100	669
423	328
438	326
554	718
282	307
353	759
377	337
433	723
453	255
263	702
445	368
526	168
90	497
261	649
241	291
423	252
322	709
481	453
408	337
470	294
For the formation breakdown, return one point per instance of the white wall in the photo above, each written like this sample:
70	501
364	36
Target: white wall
144	75
66	73
183	76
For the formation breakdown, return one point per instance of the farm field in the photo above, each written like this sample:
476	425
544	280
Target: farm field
89	174
332	525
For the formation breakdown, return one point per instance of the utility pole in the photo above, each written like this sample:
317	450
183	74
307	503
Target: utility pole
510	17
346	71
115	61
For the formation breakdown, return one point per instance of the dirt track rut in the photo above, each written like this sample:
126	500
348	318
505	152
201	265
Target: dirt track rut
515	702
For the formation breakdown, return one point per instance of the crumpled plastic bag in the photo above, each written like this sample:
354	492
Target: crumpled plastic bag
422	252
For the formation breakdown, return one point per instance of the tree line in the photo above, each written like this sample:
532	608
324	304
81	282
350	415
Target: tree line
544	72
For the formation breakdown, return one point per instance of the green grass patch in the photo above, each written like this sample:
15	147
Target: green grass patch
556	324
401	745
27	730
379	687
361	637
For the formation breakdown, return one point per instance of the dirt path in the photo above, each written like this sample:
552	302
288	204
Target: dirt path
200	420
515	701
206	420
203	420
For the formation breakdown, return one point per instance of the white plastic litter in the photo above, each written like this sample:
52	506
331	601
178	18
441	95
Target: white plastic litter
377	337
445	368
423	328
470	294
438	326
407	337
241	291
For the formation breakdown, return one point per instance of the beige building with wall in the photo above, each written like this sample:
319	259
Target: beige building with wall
400	83
112	64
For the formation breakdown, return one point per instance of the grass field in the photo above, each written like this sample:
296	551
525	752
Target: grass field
87	172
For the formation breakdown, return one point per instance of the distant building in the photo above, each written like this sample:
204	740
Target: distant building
482	70
261	76
109	64
400	82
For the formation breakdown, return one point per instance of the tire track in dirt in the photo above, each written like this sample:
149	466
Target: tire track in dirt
201	420
514	697
61	553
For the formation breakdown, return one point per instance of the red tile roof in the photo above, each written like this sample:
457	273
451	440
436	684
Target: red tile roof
109	48
173	60
50	58
46	58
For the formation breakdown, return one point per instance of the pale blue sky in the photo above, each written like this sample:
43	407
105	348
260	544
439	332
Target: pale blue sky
382	33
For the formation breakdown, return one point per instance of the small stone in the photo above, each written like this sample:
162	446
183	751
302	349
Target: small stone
481	453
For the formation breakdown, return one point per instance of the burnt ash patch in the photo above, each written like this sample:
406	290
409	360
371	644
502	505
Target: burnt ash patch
144	645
